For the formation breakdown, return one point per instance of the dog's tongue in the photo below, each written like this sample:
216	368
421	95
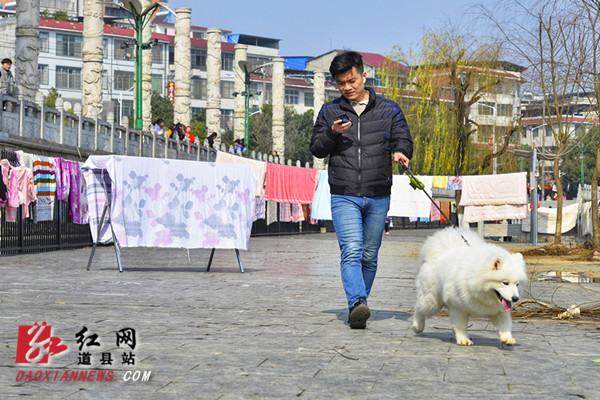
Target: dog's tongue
505	304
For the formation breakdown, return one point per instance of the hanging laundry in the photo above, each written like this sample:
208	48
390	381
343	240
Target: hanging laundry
260	208
439	182
546	219
494	197
271	212
454	183
285	212
297	213
259	168
79	206
45	188
294	185
63	179
20	189
435	212
408	202
178	203
98	186
445	206
321	204
25	159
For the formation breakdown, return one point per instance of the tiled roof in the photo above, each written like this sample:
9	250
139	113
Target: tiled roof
111	30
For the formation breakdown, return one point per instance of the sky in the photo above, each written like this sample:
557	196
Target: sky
313	27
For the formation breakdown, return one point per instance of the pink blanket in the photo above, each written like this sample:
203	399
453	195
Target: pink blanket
494	197
285	184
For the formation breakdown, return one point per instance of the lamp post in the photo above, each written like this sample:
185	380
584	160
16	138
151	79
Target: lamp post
494	160
245	66
138	20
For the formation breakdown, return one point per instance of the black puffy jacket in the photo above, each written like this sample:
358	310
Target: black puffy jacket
360	159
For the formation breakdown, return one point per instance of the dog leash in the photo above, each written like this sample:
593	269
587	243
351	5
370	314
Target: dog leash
417	184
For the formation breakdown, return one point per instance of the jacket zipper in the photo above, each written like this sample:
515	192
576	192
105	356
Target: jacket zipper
359	160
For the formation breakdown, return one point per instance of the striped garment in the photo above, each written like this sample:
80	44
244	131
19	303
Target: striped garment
285	212
44	180
297	213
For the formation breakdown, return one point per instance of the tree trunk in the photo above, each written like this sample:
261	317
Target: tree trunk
595	221
559	202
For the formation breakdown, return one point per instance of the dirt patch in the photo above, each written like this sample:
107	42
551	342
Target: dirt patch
581	252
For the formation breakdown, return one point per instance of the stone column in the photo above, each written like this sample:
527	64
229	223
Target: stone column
183	65
278	87
27	48
147	74
241	54
319	100
92	52
213	89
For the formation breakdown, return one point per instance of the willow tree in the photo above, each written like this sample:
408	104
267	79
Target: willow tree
548	37
449	74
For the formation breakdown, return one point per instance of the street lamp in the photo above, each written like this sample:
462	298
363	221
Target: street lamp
494	160
138	20
246	67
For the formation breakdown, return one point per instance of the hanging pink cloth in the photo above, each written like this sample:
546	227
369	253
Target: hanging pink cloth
292	185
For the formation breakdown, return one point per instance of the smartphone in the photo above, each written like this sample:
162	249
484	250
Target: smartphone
344	118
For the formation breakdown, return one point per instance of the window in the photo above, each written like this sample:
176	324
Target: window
484	132
171	55
105	80
227	61
68	45
157	53
199	59
68	78
44	42
157	84
198	88
43	71
104	48
309	100
227	89
485	109
226	119
505	110
268	93
123	50
123	80
291	96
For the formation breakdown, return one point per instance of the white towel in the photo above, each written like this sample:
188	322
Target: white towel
408	202
547	219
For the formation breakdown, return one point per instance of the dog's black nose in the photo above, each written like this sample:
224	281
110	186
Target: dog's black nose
515	299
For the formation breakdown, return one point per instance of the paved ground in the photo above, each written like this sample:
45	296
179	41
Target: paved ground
276	331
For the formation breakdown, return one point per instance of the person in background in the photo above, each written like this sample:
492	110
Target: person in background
211	139
7	80
159	127
189	135
388	221
239	145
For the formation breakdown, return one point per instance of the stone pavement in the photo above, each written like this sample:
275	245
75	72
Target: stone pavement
276	331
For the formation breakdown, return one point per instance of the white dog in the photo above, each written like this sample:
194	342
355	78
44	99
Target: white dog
471	278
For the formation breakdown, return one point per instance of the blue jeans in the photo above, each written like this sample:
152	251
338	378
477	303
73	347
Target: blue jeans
359	223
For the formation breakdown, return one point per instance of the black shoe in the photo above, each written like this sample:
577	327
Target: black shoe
358	316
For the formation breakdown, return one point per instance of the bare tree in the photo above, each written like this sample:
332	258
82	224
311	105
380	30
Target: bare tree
547	36
591	13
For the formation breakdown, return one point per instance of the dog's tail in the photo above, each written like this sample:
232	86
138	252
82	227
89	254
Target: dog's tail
448	239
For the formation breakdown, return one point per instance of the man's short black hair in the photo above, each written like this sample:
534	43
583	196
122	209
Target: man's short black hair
344	62
6	61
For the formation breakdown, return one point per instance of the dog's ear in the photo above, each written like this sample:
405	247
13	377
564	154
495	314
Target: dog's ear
497	264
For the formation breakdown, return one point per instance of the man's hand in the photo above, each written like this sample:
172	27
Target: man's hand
338	127
401	158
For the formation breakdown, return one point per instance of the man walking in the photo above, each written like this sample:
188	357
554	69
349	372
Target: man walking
7	80
361	133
